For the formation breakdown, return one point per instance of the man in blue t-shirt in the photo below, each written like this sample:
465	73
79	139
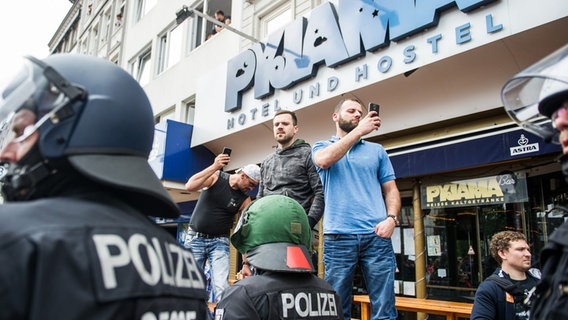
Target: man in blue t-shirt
362	203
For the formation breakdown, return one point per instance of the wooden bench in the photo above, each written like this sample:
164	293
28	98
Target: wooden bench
452	310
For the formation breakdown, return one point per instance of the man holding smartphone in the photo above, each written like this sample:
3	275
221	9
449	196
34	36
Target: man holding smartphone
374	107
362	203
223	196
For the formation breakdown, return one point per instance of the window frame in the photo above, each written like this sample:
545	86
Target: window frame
278	11
169	113
143	7
139	64
170	48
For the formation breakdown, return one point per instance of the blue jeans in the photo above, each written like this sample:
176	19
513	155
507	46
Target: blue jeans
375	256
216	250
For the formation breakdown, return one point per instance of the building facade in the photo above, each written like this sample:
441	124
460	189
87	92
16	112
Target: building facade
465	171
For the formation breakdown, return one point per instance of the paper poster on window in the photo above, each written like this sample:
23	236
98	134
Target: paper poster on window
409	288
397	286
395	239
434	247
408	235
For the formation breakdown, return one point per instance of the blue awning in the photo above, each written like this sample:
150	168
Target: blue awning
468	151
172	158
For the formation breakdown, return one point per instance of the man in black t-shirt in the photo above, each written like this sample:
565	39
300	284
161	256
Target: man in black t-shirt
223	196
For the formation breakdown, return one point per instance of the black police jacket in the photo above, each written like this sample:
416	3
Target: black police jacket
279	295
74	258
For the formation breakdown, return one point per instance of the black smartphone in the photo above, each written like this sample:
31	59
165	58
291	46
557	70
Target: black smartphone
374	107
227	151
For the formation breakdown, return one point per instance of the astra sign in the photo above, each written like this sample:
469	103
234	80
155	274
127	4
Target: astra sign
332	36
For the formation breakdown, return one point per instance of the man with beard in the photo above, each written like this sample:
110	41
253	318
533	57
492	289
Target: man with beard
359	220
290	171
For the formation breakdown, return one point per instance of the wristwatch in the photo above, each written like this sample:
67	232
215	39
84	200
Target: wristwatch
394	218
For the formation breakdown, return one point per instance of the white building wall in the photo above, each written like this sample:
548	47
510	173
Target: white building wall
459	80
179	82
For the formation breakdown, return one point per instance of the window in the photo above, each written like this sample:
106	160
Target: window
105	34
200	29
165	115
141	67
189	110
212	7
275	20
458	230
195	33
94	39
143	7
170	48
119	15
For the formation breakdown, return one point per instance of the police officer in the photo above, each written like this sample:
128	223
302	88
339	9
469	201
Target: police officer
537	99
75	239
274	234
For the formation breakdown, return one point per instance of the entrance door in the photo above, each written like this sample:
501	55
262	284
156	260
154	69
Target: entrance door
452	253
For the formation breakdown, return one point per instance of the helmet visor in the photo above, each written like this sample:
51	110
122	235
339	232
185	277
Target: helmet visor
35	89
531	96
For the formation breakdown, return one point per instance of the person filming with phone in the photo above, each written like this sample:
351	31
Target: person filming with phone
223	196
362	203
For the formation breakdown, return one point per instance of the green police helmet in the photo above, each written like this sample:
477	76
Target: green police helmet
275	234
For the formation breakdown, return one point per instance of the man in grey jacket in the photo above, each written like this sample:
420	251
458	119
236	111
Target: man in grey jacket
290	170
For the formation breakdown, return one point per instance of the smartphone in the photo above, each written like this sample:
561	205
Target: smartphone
227	151
374	107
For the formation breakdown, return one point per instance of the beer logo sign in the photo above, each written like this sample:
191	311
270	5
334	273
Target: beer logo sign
524	147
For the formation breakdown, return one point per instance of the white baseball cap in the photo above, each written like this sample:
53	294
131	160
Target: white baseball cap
252	171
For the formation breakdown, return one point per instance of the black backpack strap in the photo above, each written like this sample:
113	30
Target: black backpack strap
508	286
